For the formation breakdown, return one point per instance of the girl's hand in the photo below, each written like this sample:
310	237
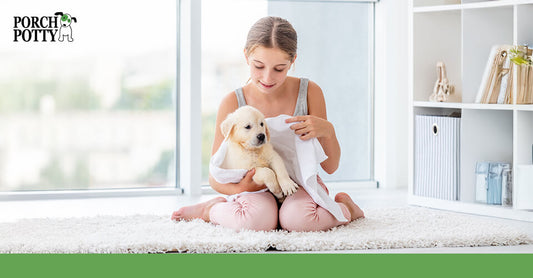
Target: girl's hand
311	127
247	183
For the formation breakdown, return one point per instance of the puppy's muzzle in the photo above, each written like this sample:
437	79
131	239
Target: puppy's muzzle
260	138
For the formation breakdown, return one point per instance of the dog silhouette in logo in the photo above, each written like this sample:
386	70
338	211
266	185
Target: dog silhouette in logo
65	30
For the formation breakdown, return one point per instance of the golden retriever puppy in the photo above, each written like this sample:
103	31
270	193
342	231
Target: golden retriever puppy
249	147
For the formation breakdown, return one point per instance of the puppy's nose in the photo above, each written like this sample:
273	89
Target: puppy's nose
261	137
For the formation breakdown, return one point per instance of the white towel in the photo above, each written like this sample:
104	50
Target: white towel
302	160
224	175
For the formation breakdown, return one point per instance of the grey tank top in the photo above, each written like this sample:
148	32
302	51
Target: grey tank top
301	103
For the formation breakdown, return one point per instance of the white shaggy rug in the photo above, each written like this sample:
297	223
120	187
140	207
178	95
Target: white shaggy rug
407	227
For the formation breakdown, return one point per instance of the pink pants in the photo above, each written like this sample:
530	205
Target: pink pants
259	212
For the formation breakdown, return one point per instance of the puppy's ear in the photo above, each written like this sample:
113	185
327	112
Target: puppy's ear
267	131
226	126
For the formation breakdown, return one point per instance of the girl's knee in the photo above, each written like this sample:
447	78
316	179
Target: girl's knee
294	216
266	220
304	215
259	213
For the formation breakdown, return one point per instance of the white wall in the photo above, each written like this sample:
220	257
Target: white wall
391	95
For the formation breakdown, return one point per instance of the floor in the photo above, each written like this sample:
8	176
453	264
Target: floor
364	197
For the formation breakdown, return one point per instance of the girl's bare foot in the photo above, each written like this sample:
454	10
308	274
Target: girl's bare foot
200	211
355	211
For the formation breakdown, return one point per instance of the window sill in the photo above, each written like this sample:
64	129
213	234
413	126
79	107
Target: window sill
84	194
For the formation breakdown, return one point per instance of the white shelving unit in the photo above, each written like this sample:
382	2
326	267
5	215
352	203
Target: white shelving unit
461	34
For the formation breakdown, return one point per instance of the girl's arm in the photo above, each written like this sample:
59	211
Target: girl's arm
316	125
228	105
246	184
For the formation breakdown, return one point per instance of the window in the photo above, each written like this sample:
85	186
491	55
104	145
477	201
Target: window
95	112
335	50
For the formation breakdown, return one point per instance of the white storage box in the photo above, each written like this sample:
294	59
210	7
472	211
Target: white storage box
523	187
437	146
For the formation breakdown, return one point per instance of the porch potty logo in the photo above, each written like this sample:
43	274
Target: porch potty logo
44	28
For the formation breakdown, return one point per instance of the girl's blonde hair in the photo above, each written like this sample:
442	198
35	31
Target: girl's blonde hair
272	32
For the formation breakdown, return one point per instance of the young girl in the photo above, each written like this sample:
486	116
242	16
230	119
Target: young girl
270	52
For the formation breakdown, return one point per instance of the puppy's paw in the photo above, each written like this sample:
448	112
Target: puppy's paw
276	191
279	196
288	186
274	187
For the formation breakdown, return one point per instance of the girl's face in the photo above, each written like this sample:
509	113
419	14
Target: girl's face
268	68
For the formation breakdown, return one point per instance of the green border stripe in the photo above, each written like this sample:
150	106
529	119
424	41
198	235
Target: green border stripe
268	265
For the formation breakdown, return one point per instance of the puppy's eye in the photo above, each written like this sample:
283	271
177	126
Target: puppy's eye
248	127
261	124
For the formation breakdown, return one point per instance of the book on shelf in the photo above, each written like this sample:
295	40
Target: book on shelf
524	81
500	71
